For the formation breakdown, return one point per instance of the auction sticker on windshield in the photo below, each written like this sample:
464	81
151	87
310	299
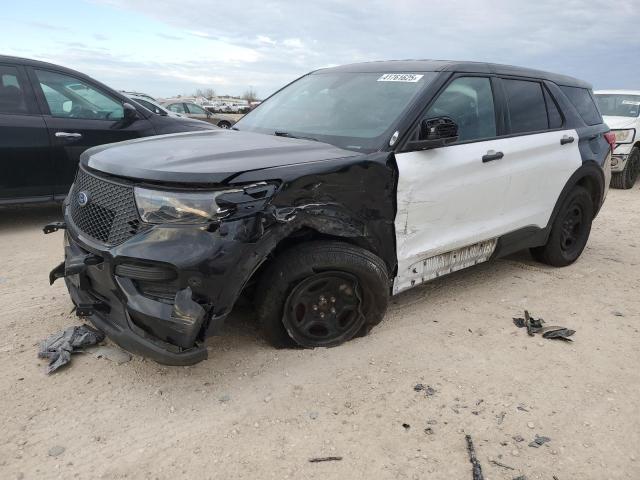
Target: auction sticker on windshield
400	77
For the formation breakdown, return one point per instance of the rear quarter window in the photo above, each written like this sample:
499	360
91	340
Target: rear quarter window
582	99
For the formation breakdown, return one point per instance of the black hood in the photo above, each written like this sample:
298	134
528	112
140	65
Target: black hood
205	157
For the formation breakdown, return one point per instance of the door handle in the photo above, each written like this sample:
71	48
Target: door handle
566	139
68	135
492	155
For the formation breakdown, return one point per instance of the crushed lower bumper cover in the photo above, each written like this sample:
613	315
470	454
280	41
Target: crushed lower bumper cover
164	332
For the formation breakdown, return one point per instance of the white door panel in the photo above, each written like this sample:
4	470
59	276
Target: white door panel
448	198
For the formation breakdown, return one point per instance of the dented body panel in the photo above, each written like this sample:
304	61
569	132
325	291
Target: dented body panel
345	197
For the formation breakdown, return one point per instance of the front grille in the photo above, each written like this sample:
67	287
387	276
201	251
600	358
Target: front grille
110	215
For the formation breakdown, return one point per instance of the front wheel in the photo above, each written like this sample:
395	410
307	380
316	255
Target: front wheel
569	232
627	177
224	124
322	294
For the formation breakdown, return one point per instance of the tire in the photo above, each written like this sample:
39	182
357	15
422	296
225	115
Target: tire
627	177
341	291
224	124
569	232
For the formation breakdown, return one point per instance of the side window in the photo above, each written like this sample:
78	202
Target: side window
583	101
555	117
12	94
193	108
70	97
468	101
149	106
526	106
176	107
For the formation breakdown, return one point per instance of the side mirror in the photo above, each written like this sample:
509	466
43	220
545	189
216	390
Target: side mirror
433	133
130	113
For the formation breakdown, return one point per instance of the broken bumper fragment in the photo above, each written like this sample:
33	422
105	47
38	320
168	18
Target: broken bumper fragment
165	330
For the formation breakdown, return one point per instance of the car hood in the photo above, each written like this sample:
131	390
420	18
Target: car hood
620	122
205	157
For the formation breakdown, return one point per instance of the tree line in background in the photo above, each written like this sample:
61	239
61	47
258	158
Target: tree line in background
250	95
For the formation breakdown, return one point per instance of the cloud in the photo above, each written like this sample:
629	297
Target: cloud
265	44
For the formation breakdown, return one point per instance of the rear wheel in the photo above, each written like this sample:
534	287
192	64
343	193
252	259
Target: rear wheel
322	294
570	230
627	177
224	124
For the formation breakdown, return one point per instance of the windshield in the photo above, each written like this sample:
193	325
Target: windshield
356	111
618	105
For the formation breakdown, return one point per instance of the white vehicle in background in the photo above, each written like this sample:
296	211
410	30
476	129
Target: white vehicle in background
621	110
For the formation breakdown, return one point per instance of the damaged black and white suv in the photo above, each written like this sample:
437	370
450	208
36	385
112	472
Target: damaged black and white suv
347	186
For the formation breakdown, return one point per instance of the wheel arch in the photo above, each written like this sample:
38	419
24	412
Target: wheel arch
589	176
307	233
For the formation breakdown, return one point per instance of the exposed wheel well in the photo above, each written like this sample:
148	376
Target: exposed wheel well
302	235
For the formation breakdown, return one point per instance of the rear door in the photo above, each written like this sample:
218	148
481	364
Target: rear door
80	115
25	160
543	155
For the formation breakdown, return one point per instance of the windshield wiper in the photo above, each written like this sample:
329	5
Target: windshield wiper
278	133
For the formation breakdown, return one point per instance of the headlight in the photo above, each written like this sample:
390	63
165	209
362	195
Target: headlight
624	136
157	206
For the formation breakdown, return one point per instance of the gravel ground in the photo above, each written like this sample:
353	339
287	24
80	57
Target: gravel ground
250	411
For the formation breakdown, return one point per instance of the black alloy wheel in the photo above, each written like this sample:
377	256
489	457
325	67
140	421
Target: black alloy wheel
324	309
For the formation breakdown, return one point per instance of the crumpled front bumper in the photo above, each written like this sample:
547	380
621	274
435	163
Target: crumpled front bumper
167	333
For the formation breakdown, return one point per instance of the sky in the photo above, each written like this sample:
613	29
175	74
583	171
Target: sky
168	47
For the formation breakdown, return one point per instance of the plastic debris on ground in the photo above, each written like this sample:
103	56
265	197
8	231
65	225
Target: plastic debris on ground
59	346
539	441
536	325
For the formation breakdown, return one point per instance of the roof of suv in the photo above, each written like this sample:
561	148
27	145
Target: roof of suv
36	63
393	66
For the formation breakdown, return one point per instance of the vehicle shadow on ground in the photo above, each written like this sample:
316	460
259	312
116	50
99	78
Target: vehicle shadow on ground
27	217
242	324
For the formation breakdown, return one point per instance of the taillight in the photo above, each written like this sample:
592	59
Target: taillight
611	140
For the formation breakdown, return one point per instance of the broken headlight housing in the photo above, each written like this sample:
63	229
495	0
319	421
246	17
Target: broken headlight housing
176	207
624	136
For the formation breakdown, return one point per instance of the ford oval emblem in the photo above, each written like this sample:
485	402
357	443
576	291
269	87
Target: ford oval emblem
83	198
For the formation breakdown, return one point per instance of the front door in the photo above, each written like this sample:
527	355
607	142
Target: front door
25	157
80	115
452	197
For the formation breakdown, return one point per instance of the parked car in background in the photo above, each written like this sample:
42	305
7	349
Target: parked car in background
153	106
193	110
138	94
621	111
349	185
49	115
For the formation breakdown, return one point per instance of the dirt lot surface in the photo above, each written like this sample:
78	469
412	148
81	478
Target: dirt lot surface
252	412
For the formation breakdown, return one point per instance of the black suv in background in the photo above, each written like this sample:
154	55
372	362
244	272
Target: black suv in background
49	115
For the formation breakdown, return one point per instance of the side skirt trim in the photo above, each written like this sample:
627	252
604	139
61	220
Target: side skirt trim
443	264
